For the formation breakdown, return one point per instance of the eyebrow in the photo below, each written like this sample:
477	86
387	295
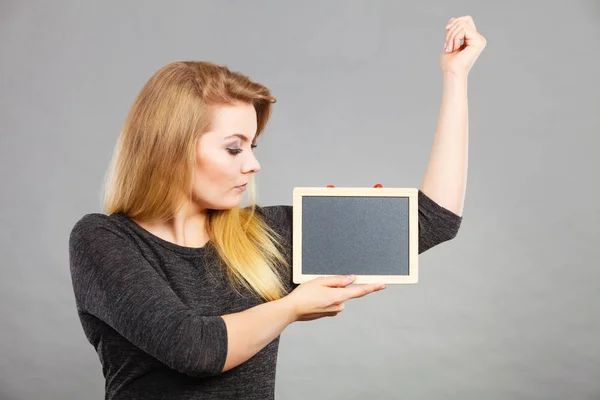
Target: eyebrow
239	135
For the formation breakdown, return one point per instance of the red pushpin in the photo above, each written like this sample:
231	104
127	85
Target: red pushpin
378	185
330	186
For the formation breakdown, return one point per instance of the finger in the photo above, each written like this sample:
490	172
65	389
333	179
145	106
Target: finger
456	28
465	18
450	22
361	291
337	308
456	31
448	29
470	22
458	39
337	280
451	34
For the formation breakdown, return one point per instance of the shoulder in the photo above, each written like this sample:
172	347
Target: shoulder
89	224
90	221
96	228
93	222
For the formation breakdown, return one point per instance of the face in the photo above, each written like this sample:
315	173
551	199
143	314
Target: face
225	158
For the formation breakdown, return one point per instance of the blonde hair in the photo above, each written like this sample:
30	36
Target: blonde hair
152	169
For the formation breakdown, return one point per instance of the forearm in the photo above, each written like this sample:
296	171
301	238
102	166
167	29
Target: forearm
446	176
251	330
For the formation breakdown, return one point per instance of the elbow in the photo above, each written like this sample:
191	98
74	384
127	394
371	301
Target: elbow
451	230
429	241
451	233
204	352
202	369
454	232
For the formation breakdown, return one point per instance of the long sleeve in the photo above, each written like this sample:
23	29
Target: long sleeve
115	283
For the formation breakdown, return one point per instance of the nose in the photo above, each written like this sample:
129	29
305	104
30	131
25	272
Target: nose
251	165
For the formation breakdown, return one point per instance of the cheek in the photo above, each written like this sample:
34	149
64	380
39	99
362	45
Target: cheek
215	180
215	172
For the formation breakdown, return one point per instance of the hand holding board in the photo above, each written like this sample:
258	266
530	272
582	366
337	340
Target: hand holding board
370	232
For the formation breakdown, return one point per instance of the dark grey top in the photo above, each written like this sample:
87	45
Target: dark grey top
152	308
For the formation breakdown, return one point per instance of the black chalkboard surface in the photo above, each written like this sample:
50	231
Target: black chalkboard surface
370	232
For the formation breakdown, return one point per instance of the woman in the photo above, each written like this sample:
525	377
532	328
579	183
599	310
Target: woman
184	294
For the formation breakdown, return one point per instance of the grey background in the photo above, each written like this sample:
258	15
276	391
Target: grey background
508	310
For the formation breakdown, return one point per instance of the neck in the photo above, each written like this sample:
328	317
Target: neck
187	228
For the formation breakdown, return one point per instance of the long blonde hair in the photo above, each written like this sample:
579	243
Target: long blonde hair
152	169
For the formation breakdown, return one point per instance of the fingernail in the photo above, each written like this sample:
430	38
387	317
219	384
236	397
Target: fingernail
350	277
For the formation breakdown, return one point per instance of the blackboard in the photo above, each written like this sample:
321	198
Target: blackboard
369	232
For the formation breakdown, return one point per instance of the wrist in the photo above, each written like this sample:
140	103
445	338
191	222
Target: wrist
455	76
288	309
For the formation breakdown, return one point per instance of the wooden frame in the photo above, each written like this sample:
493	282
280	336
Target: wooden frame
410	193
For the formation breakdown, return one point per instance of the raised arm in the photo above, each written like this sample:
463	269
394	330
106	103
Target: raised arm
445	180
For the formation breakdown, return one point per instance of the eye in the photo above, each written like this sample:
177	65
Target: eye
236	151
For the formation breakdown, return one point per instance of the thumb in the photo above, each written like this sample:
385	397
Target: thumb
338	280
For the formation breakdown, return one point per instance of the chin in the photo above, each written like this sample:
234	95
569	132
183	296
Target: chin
226	202
226	205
